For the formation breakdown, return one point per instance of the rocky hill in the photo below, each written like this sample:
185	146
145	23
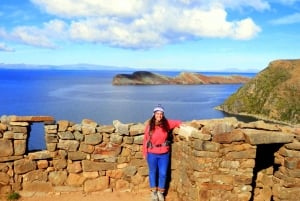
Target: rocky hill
184	78
274	94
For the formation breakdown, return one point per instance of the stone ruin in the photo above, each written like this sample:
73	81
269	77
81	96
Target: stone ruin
216	159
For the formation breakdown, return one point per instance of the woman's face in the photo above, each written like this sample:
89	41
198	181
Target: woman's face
158	116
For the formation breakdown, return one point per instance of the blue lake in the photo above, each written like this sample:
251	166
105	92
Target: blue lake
77	94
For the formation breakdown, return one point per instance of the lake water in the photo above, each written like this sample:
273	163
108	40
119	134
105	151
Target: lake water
74	95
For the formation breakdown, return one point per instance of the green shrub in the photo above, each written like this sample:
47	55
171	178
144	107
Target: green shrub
13	196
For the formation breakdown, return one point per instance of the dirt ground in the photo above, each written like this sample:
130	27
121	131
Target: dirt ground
96	196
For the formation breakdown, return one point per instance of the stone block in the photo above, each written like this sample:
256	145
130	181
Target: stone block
75	179
93	139
35	175
137	129
76	156
59	164
23	166
98	184
4	178
234	136
57	177
105	129
122	185
62	125
86	148
19	147
39	155
66	135
38	186
68	145
74	167
91	166
255	137
31	119
122	129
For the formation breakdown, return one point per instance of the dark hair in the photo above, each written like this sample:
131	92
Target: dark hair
164	124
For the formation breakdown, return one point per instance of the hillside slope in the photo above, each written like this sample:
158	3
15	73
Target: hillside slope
273	94
184	78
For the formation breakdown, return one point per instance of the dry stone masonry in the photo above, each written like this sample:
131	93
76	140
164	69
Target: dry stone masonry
217	159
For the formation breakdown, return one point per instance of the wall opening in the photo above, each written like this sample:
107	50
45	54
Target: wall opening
264	165
36	137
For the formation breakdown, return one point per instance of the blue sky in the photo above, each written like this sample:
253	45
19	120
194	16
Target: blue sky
196	35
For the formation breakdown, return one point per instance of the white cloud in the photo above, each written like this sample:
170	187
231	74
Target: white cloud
139	23
289	19
4	48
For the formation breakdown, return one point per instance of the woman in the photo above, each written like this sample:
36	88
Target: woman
156	149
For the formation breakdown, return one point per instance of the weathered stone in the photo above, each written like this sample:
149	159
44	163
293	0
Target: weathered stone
69	145
75	179
107	151
19	124
51	138
247	154
38	186
138	139
91	175
122	185
186	131
86	148
42	164
62	125
31	118
39	155
128	140
98	184
6	148
234	136
67	135
116	139
105	129
137	129
122	129
19	147
36	175
87	130
130	170
4	179
59	164
89	122
93	139
23	166
51	146
75	156
58	177
74	167
19	129
289	153
3	127
294	145
206	146
260	125
115	174
78	136
267	137
91	166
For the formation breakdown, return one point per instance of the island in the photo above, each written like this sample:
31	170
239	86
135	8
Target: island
184	78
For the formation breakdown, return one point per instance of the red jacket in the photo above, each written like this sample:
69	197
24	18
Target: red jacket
159	136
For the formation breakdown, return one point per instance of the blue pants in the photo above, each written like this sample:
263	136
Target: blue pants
158	169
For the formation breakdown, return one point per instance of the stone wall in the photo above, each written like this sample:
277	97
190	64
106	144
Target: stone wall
218	159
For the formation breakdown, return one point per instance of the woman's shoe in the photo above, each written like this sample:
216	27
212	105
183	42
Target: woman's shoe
160	196
154	196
